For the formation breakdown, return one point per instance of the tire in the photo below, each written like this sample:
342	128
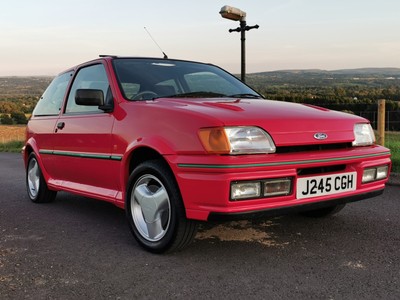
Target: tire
323	212
155	210
36	186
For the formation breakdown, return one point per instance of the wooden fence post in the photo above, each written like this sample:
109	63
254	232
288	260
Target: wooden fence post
381	122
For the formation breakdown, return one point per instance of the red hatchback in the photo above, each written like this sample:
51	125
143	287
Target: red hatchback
175	142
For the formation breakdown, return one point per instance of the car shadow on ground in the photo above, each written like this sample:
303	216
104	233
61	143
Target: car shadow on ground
89	215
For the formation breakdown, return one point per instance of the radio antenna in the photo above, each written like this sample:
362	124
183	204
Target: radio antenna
165	55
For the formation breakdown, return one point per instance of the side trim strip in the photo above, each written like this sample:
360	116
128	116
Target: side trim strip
312	161
81	154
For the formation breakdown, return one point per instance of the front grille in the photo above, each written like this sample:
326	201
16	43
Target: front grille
320	170
304	148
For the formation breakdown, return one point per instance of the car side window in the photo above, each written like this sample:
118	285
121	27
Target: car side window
51	100
92	77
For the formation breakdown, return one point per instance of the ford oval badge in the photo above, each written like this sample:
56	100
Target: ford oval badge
320	136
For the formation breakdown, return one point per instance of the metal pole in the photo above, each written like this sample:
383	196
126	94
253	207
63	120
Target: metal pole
381	122
242	29
243	50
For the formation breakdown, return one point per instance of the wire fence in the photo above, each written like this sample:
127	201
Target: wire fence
369	110
392	119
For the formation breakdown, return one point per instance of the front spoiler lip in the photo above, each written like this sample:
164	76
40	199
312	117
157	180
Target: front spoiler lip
217	216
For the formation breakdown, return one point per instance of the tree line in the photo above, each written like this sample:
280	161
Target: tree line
14	110
351	91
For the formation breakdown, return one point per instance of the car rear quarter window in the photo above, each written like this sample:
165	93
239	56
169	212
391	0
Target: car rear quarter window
51	101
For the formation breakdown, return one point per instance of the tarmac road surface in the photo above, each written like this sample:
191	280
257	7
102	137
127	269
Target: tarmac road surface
79	248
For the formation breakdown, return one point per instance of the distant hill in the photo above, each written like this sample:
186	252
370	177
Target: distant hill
369	71
34	86
364	77
360	71
23	86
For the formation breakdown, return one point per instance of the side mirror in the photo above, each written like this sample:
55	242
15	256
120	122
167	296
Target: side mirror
89	97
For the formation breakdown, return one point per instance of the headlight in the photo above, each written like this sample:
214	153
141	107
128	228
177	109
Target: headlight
363	135
236	140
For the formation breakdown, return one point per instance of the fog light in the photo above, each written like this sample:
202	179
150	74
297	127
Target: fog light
369	175
277	187
382	172
245	190
377	173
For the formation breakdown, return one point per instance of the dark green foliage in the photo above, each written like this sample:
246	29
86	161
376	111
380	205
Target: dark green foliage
5	119
24	104
19	117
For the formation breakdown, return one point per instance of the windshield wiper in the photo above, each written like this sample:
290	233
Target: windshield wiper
212	95
249	96
197	95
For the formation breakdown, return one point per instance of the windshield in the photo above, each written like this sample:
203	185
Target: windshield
146	79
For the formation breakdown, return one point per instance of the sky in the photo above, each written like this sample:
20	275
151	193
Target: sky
45	37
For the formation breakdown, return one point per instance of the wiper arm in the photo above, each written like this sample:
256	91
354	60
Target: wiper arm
212	95
249	96
197	95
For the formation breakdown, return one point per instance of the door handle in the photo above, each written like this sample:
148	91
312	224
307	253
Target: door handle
60	125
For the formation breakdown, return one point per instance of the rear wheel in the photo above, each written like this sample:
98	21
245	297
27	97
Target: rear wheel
324	212
36	186
155	211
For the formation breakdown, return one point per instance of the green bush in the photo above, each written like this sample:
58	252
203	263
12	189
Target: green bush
6	119
19	118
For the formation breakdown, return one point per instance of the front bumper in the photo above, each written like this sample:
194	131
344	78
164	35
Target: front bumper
205	181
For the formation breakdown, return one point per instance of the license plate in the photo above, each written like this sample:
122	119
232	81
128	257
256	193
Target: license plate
309	187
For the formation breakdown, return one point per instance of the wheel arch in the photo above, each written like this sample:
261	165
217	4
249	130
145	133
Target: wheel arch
28	149
139	155
31	147
135	157
142	154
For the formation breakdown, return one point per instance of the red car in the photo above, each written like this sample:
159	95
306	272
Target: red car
175	142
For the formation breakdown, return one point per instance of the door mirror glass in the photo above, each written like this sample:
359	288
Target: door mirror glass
89	97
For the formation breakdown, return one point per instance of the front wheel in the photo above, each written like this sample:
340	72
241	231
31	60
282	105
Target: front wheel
155	211
36	185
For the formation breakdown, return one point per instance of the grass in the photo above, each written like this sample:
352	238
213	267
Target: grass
12	139
12	146
392	141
